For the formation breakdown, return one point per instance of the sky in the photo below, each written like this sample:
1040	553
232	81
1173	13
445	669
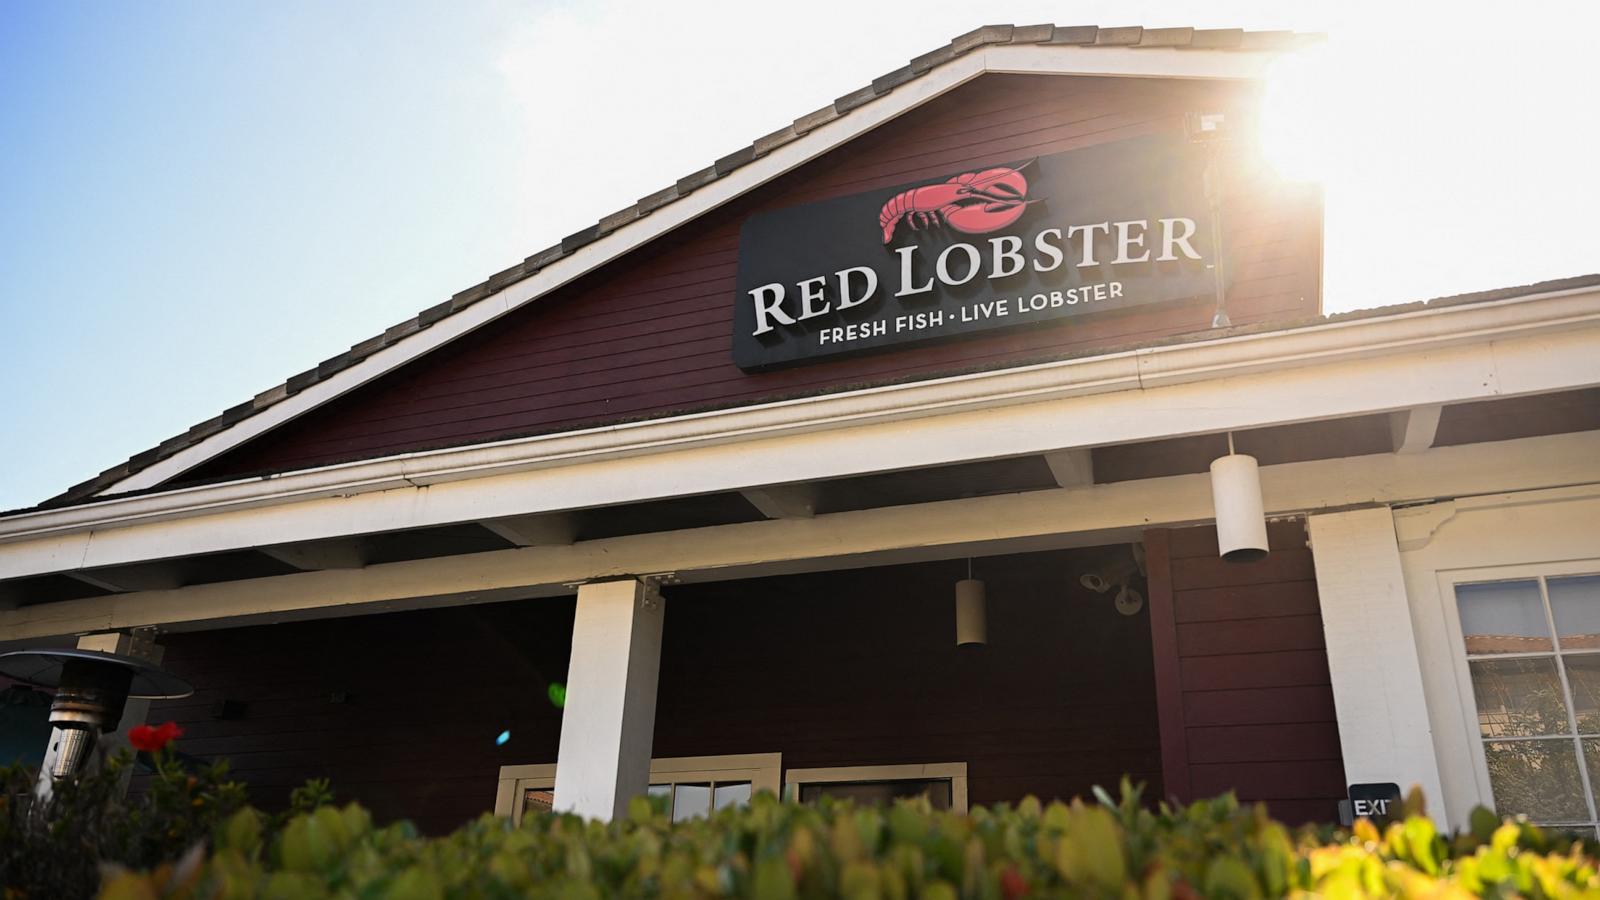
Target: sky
198	199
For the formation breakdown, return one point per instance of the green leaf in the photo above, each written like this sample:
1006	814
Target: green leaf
1483	822
1229	877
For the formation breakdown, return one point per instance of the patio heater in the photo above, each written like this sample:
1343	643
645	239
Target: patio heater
92	688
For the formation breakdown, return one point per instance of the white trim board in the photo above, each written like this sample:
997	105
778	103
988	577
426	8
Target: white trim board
980	526
955	773
1012	59
1479	539
1422	332
1532	345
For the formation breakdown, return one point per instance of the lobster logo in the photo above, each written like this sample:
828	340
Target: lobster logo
971	203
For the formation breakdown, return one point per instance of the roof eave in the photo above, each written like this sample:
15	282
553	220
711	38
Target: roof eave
999	49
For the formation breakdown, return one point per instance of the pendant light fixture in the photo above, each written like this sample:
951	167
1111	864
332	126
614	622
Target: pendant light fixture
972	622
1236	501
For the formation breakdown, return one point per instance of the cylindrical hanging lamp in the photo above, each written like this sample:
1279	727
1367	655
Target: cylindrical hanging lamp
1236	498
972	620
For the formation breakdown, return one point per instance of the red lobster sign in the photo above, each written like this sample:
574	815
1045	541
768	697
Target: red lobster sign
971	203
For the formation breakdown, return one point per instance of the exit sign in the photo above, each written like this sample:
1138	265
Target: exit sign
1378	801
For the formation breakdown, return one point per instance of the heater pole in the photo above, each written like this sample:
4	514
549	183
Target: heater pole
92	689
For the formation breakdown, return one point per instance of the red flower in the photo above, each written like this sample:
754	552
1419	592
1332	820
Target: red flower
150	740
1012	884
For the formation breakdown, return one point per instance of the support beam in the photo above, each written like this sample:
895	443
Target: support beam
1234	384
125	579
1414	429
1372	653
1072	468
318	556
974	526
784	501
609	721
553	529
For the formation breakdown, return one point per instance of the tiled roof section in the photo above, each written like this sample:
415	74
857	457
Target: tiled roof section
1085	35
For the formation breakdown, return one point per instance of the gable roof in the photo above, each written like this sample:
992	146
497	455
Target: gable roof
855	104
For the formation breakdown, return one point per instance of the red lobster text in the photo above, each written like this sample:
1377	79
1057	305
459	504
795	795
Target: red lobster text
971	203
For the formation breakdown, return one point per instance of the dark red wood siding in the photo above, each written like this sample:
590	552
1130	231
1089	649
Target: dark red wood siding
841	668
650	334
1242	674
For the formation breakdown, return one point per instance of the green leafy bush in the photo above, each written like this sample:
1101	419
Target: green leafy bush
56	849
775	850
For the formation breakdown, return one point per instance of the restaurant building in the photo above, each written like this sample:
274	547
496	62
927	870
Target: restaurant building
685	503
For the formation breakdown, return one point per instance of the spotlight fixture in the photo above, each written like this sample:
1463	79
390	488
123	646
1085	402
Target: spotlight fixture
1236	501
1118	567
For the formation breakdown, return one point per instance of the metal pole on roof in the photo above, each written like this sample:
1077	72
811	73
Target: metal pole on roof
1208	129
1214	194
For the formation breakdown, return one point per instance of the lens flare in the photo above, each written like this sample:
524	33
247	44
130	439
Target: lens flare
557	693
502	738
1298	120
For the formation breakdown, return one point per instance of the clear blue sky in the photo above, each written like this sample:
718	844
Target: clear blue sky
198	200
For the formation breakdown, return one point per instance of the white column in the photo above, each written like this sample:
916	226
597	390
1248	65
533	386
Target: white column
609	720
1372	653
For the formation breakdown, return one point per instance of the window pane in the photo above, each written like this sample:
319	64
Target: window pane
1502	617
937	790
1518	697
660	796
1591	758
736	793
1583	676
690	801
1575	602
1538	779
537	800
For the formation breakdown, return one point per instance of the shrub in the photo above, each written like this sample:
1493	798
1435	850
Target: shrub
774	850
55	849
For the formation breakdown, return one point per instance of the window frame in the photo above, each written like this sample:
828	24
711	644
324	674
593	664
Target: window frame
762	770
955	772
1462	668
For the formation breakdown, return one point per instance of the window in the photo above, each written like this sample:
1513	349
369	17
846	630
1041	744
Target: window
1533	662
692	785
944	784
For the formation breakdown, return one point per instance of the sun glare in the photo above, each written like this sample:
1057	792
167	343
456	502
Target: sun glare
1295	115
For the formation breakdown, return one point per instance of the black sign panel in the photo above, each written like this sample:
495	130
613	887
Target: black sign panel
1377	801
1008	245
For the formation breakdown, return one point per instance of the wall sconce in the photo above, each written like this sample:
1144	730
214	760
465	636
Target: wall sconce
1236	501
972	619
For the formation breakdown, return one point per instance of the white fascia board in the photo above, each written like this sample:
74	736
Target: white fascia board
1020	58
1350	367
716	462
1087	516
